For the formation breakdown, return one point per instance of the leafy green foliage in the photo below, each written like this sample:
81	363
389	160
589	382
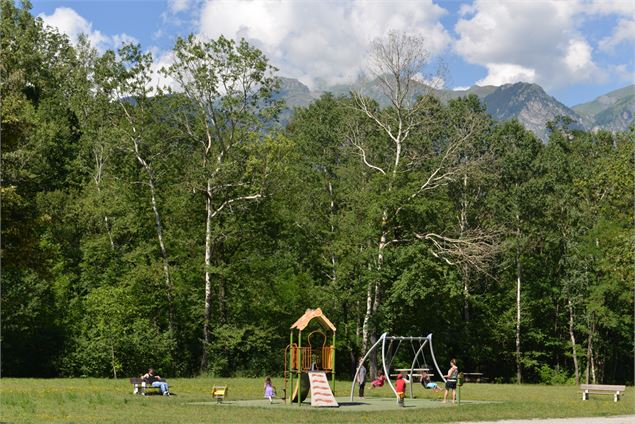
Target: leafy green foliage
94	158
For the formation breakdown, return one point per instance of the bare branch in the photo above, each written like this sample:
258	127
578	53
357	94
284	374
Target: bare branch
476	248
234	200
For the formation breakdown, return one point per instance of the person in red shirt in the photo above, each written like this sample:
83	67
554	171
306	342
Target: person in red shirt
379	381
400	387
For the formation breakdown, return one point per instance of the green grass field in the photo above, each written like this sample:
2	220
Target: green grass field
111	401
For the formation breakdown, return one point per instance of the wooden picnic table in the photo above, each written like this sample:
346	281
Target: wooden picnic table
416	372
475	377
413	369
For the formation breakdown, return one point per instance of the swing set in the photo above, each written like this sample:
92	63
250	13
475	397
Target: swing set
389	352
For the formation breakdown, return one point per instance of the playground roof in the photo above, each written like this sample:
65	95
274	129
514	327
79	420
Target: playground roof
310	314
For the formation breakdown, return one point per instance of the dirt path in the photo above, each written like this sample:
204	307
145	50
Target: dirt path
624	419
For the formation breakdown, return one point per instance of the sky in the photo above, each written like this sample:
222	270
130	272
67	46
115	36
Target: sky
576	50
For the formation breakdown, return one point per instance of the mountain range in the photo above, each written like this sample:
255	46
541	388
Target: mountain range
527	102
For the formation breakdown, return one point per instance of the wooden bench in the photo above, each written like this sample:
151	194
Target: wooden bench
140	386
602	389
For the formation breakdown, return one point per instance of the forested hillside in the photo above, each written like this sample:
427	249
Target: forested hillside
187	230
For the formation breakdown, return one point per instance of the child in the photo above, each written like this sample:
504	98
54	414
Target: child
379	382
270	390
427	383
400	388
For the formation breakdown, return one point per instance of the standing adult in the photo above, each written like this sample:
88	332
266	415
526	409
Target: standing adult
361	377
450	381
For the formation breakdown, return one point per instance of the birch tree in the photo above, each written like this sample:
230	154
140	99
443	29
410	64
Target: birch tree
517	202
95	114
127	81
420	155
228	88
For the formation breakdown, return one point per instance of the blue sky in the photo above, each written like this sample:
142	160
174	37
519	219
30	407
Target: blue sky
575	49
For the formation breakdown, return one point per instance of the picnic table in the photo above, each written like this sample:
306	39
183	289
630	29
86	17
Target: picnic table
473	377
416	372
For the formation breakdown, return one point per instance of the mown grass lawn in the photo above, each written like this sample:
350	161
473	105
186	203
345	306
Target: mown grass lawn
111	401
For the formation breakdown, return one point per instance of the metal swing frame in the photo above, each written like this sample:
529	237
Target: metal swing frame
427	340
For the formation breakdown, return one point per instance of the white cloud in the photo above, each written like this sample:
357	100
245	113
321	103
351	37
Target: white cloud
176	6
506	73
321	42
69	22
609	7
578	56
624	32
533	41
434	81
161	59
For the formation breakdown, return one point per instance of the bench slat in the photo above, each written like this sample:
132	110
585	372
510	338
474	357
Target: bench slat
603	387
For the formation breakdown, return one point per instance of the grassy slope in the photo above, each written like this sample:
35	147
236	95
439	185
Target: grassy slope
109	401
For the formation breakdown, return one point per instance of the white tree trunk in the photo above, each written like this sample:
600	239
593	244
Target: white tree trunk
518	291
573	345
332	216
208	281
590	375
99	166
136	144
367	315
159	230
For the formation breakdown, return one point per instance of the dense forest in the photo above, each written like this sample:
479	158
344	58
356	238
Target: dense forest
187	228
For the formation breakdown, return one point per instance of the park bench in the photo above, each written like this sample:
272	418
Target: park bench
140	386
602	389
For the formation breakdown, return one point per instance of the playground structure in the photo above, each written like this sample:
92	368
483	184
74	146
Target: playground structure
310	364
387	356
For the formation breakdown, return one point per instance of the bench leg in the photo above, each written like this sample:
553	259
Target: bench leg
585	395
616	397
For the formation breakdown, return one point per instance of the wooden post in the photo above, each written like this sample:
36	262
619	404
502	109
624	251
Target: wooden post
300	368
333	365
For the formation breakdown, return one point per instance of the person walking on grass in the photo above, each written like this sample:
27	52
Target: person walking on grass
270	389
450	381
361	378
156	381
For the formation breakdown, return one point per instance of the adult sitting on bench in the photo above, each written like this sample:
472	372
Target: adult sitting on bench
155	381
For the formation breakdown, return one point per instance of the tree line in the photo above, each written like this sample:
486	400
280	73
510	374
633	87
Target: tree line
186	228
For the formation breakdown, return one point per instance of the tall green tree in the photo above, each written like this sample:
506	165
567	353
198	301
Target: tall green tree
39	147
228	88
517	200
